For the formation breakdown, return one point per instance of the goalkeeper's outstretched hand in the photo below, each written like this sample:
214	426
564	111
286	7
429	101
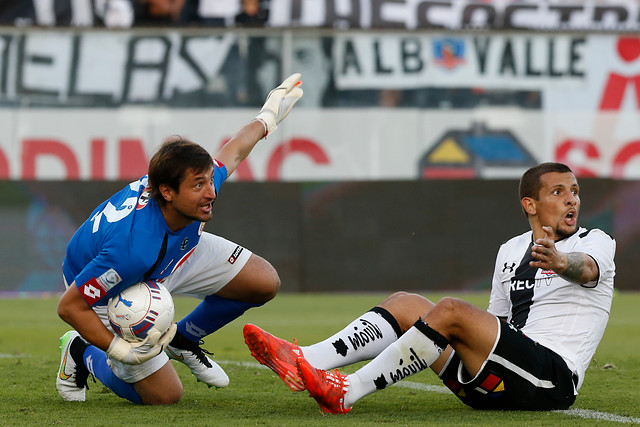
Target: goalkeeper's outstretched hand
279	102
136	353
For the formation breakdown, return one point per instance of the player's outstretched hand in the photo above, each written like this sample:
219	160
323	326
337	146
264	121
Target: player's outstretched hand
544	252
279	102
136	353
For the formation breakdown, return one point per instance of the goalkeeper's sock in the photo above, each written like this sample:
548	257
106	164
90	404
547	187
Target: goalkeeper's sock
96	362
210	315
362	339
413	352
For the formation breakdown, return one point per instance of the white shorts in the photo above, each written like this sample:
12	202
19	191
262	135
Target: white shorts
212	265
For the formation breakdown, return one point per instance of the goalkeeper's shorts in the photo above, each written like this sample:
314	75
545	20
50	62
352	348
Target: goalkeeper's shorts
213	263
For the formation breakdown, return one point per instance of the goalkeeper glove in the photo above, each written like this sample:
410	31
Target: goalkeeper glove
136	353
279	102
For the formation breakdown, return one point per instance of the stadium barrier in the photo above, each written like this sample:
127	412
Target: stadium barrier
340	236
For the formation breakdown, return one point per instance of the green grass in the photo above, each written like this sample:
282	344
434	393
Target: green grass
29	358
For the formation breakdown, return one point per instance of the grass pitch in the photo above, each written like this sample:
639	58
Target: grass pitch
29	358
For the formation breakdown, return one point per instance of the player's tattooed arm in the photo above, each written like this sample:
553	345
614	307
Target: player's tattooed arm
580	268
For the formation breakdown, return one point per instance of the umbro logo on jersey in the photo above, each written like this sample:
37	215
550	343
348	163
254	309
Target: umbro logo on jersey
509	267
144	199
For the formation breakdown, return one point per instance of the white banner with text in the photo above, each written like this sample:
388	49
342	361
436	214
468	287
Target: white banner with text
324	145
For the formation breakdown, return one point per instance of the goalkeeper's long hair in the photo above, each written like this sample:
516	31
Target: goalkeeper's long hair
171	162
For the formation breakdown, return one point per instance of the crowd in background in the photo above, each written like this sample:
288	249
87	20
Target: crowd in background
128	13
250	58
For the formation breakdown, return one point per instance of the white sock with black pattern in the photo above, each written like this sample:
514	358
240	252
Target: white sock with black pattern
362	339
413	352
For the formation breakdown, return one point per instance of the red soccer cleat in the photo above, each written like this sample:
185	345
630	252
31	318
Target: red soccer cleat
277	354
327	388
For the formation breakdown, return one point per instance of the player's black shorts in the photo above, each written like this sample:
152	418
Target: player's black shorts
519	374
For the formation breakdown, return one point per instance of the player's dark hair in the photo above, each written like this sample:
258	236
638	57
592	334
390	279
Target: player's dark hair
530	184
171	162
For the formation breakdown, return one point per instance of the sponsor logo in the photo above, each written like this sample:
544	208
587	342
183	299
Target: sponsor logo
416	364
341	347
89	364
143	200
184	244
63	375
360	338
173	355
124	302
509	267
109	279
92	291
381	382
521	285
194	330
236	253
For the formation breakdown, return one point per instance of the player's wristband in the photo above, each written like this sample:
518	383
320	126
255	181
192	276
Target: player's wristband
266	129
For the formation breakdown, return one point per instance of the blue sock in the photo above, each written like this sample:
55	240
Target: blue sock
210	315
96	361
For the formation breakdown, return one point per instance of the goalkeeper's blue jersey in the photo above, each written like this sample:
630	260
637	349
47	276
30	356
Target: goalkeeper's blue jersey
126	240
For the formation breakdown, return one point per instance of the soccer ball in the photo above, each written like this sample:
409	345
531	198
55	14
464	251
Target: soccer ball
140	309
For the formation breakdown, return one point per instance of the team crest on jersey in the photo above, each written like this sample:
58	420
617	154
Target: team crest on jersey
143	200
109	279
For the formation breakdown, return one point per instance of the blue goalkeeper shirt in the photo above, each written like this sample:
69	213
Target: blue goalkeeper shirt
126	240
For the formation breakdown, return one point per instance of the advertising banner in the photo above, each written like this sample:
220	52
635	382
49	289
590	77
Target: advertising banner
96	105
565	15
407	61
324	145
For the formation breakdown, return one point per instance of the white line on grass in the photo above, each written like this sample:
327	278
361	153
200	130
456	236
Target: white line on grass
586	413
12	356
576	412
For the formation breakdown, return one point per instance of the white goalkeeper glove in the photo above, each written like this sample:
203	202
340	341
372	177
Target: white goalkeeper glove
279	102
136	353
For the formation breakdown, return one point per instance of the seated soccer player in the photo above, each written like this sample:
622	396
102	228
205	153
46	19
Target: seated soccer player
549	306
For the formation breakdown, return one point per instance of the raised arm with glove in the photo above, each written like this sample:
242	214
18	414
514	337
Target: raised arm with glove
279	102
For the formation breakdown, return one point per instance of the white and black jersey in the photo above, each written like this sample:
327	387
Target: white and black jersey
565	317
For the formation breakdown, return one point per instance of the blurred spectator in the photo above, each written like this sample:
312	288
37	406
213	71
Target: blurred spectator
212	13
117	13
16	12
76	13
252	14
158	12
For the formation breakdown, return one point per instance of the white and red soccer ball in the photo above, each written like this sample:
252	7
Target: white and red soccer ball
140	309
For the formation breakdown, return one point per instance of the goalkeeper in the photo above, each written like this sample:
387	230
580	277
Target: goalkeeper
153	230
